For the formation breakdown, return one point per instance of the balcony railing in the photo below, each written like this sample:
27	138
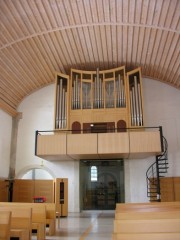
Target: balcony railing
116	144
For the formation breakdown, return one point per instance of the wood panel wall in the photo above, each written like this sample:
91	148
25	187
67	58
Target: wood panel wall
61	208
4	188
25	190
170	189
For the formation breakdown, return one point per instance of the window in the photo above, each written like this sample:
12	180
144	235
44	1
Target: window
93	174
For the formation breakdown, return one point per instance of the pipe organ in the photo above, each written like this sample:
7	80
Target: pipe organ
135	95
61	102
87	97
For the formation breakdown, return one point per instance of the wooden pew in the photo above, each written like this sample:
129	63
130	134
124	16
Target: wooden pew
51	217
39	219
146	221
146	206
5	222
21	220
38	216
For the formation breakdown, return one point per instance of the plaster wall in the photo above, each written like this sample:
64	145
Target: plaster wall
5	143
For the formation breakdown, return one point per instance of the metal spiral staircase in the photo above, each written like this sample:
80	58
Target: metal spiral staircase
156	171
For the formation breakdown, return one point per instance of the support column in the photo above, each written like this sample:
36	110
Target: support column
13	150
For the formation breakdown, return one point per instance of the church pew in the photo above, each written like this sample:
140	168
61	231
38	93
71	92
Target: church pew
51	217
21	221
147	221
38	216
5	222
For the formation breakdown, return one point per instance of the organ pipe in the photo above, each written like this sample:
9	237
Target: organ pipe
57	107
136	103
132	111
120	89
98	91
61	104
134	107
140	105
76	94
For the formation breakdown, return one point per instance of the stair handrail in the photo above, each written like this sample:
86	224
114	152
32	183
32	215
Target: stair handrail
154	169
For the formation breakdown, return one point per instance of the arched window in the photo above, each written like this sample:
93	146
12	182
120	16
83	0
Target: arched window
37	173
94	174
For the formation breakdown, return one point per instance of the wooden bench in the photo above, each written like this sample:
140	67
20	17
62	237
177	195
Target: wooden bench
146	206
147	221
38	216
51	217
21	220
5	222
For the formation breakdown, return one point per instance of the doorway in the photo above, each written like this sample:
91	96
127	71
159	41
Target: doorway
101	184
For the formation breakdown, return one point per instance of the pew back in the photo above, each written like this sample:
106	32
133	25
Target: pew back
145	221
5	222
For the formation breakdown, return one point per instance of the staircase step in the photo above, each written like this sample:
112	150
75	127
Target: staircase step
166	163
162	159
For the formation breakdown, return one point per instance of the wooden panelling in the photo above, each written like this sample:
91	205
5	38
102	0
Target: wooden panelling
81	144
102	145
176	181
4	188
144	142
51	144
44	188
167	189
170	189
113	143
61	197
23	190
26	190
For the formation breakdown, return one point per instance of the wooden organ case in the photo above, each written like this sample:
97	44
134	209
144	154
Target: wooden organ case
99	101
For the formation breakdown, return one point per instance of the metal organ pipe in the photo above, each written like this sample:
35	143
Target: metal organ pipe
136	103
98	88
131	104
121	101
61	104
98	91
76	94
57	107
63	108
140	105
123	94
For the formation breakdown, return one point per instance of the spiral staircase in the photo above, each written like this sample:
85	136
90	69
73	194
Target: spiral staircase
157	171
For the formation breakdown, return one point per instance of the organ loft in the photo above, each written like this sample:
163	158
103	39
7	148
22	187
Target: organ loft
99	101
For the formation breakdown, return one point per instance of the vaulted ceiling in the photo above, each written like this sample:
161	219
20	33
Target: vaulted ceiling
39	37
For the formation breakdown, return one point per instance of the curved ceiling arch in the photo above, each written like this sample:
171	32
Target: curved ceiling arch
41	37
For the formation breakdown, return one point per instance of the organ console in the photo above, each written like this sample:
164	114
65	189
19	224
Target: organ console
109	96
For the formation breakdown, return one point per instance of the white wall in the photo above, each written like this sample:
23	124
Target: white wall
161	104
161	108
5	143
38	114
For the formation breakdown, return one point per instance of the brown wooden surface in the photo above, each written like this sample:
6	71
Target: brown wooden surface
4	186
61	209
147	221
5	223
21	221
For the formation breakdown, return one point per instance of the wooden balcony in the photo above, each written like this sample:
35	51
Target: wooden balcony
114	145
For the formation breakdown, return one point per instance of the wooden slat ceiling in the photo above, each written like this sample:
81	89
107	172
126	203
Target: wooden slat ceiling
39	37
